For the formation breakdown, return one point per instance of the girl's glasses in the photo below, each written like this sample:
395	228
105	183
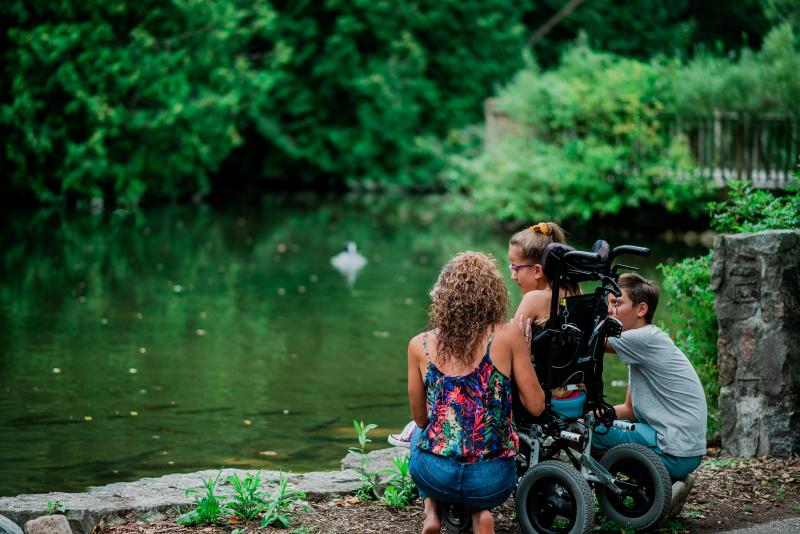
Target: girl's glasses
515	268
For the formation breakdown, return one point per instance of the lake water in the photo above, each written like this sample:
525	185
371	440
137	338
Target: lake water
143	343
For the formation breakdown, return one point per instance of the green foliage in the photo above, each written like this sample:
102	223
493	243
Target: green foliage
248	498
687	285
593	142
748	210
399	492
115	100
597	134
209	507
365	492
55	507
752	83
283	505
121	100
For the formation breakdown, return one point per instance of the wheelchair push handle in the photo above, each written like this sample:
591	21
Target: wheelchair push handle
631	249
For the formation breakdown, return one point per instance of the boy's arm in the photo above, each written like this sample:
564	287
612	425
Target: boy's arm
416	389
625	411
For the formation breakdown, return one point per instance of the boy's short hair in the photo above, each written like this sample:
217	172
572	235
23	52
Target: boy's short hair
640	289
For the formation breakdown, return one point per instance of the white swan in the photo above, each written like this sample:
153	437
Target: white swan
349	262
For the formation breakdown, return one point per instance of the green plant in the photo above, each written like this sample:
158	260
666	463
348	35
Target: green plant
209	507
796	507
399	491
248	499
687	285
55	507
749	210
283	505
779	490
364	492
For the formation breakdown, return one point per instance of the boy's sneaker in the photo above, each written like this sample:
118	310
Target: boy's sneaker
680	491
403	439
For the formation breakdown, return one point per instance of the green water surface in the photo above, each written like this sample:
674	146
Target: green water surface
137	344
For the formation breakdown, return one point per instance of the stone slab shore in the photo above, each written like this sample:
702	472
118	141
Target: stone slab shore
150	499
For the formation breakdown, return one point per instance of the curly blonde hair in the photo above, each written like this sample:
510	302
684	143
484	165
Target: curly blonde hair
468	296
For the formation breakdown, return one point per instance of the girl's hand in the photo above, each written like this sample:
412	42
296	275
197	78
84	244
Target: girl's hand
525	326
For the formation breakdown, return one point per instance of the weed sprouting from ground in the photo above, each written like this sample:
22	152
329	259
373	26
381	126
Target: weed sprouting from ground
365	492
208	509
248	499
283	505
399	492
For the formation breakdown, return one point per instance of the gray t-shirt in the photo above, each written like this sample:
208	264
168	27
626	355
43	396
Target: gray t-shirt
665	390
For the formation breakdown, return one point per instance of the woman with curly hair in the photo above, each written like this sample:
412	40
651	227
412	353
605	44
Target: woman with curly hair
460	373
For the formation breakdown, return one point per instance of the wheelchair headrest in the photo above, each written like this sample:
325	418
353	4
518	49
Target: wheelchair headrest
551	258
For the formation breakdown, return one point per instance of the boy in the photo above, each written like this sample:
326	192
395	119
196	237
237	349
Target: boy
664	391
665	396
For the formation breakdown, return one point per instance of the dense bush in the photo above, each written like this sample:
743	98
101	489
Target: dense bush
118	100
112	99
596	134
687	284
593	142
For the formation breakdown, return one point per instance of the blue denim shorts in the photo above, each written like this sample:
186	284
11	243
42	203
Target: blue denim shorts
678	467
477	486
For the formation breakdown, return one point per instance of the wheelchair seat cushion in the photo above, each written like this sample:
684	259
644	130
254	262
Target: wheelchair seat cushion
570	407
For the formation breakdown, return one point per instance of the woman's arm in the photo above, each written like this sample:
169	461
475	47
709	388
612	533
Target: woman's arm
416	389
530	391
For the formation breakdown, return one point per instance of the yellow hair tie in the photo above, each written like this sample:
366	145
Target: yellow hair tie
541	228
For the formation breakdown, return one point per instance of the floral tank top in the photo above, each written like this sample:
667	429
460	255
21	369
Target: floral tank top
470	415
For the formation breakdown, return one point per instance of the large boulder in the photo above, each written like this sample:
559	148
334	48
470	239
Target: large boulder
756	278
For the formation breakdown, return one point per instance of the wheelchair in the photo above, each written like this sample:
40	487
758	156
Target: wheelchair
555	467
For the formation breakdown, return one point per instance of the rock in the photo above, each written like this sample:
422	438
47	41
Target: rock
8	527
48	524
755	277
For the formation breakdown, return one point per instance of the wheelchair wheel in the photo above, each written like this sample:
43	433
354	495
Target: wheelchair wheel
647	489
552	497
455	517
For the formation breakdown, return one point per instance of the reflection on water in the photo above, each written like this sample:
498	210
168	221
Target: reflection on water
141	343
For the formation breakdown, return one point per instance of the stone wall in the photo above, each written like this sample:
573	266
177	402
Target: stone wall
756	278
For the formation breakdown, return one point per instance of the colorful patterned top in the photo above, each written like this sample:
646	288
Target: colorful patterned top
470	415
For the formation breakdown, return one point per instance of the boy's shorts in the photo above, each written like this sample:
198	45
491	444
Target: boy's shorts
677	466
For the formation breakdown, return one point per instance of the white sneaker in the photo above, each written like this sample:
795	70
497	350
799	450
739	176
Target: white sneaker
403	439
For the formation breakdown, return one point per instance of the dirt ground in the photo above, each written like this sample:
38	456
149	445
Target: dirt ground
728	493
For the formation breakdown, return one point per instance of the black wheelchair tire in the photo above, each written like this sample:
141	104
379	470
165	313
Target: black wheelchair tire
642	465
455	517
553	486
